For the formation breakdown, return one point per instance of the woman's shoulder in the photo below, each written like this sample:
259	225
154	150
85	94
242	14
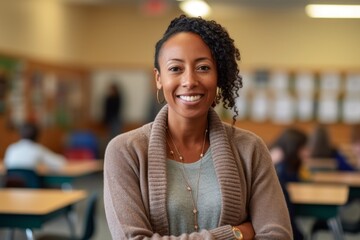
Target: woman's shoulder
132	138
127	149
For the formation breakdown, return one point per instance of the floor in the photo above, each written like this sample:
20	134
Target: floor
94	183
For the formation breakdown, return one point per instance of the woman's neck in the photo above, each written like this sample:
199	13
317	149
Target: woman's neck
191	138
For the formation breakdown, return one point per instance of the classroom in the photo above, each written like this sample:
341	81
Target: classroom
60	59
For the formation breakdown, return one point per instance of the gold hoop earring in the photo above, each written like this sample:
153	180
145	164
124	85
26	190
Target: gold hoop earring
218	95
157	97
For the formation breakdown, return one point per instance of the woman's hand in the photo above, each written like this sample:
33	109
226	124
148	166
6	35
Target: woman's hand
247	230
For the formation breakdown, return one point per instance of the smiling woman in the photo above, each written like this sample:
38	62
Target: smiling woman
188	76
188	175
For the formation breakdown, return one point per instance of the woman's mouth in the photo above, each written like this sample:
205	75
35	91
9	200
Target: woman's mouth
192	98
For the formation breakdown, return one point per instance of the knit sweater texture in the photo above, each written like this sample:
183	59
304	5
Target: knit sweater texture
135	184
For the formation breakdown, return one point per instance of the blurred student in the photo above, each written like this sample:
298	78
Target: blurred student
320	146
288	153
349	213
28	154
355	144
112	110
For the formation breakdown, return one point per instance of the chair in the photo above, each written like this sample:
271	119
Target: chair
83	140
89	225
79	154
321	225
22	178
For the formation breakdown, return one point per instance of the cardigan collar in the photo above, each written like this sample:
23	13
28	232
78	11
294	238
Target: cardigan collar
226	168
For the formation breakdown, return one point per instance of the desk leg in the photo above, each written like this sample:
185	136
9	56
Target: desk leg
69	218
336	227
29	234
11	234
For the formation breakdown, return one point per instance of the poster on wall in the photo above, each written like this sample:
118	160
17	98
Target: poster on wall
305	83
328	109
330	83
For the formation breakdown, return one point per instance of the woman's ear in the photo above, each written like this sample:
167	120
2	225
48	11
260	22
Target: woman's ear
157	78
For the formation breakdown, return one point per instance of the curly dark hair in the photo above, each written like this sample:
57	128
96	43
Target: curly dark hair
222	49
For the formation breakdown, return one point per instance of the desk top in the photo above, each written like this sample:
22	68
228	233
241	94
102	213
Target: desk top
321	163
351	179
314	193
71	169
37	202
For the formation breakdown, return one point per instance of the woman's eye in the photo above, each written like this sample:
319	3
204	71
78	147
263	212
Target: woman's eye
174	69
204	68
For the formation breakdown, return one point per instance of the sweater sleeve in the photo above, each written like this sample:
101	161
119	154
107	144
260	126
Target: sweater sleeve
125	195
267	206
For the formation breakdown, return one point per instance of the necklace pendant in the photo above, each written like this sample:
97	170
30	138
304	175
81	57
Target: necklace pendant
188	188
201	155
181	158
196	227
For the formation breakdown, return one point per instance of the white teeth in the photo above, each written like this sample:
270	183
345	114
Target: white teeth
190	98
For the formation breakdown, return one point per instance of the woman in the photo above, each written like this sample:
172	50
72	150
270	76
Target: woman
187	175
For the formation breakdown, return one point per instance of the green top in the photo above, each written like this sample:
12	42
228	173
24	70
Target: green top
179	203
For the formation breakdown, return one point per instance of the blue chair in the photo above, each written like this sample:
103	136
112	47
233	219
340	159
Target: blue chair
22	178
83	140
89	226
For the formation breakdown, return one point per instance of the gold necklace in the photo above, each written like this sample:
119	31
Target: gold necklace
188	187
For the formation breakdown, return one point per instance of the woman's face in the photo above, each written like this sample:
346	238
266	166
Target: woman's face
188	75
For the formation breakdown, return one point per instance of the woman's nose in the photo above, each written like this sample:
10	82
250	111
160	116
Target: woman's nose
189	79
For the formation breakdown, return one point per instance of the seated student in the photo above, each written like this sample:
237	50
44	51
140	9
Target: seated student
28	154
320	146
355	144
350	212
288	152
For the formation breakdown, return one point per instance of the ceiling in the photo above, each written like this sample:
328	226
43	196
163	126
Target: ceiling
225	8
258	3
250	3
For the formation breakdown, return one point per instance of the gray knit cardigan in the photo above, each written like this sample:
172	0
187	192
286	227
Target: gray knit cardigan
135	184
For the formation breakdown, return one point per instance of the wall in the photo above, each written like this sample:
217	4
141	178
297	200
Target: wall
121	36
115	37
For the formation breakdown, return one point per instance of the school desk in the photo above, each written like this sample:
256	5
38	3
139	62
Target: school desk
321	164
31	208
350	179
67	174
321	201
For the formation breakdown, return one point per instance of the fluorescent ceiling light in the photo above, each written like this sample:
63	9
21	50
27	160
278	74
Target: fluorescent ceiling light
333	11
195	8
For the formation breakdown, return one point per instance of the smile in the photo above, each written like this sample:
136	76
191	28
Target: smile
190	98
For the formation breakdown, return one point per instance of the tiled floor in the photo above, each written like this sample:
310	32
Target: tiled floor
94	183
